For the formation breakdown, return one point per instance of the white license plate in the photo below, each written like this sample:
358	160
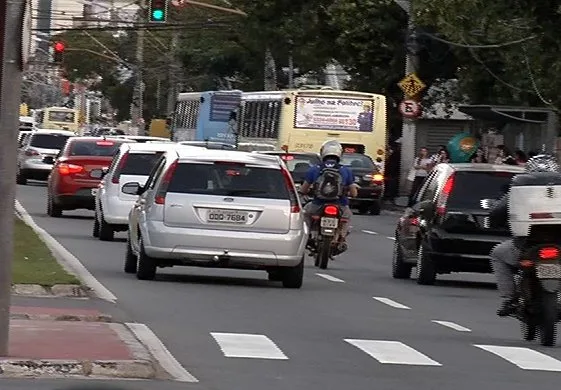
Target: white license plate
548	271
331	223
227	216
94	191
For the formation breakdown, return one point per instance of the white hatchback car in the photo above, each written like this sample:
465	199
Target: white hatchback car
217	208
133	162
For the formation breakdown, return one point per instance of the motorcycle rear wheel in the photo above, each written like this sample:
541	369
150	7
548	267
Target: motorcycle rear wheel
549	317
324	253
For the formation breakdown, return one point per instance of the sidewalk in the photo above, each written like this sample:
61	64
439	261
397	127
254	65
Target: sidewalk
50	341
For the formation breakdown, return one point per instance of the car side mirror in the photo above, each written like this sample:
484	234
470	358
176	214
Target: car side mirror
132	188
96	173
49	160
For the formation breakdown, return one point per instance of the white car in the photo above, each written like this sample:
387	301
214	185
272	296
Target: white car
133	162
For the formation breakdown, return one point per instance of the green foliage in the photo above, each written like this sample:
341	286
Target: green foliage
506	73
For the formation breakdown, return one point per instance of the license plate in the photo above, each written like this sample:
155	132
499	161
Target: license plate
94	191
331	223
548	271
227	216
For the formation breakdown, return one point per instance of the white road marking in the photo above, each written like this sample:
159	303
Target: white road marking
67	260
391	303
525	358
391	238
370	232
331	278
393	352
452	325
160	352
253	346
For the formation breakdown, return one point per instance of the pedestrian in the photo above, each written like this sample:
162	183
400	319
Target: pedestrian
420	170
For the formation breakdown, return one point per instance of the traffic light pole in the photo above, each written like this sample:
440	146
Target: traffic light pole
10	95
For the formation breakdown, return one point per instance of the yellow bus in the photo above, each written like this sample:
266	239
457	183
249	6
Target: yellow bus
57	118
301	120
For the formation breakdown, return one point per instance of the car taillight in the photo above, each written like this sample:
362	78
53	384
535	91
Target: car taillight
69	169
31	152
541	215
294	207
163	189
548	253
331	210
378	178
117	174
414	221
443	198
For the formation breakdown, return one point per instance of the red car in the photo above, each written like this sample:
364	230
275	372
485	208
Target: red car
70	184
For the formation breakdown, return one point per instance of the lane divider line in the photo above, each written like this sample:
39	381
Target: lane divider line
452	325
392	303
161	353
331	278
370	232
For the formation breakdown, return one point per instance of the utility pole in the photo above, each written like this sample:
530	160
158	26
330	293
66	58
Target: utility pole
10	96
409	128
172	90
138	95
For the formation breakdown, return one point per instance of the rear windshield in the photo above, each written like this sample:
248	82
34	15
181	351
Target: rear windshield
299	164
94	148
49	141
471	187
140	163
229	180
357	161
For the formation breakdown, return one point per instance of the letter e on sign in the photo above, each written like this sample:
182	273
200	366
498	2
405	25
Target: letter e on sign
410	109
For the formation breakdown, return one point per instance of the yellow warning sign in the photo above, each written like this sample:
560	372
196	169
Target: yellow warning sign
411	85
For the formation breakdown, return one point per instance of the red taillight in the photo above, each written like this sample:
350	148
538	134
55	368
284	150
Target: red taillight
548	253
69	169
443	198
294	207
331	210
414	221
117	174
541	215
105	143
163	189
287	157
31	152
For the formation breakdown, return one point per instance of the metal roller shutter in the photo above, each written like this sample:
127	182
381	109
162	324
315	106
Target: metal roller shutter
440	132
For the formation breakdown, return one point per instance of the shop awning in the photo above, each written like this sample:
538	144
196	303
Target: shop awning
506	114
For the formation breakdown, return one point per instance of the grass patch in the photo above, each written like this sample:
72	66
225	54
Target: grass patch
34	262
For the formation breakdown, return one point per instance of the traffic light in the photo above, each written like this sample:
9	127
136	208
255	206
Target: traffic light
58	51
158	11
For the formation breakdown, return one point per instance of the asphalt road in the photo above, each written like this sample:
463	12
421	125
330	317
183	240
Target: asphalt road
351	326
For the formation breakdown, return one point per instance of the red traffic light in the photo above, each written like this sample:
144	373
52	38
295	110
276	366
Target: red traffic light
59	46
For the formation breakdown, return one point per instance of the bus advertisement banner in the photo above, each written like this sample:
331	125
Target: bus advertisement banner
345	114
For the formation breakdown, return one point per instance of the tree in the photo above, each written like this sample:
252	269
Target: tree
508	50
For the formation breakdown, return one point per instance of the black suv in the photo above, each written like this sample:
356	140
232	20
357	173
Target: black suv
447	230
370	180
298	163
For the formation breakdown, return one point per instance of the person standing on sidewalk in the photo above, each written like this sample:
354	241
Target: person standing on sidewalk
421	166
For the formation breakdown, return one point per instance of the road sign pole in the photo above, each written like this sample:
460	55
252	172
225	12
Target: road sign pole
10	95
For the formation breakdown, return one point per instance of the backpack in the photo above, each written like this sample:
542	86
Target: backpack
329	184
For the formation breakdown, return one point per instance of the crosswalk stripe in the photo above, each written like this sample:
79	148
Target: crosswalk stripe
392	303
452	325
393	352
331	278
525	358
253	346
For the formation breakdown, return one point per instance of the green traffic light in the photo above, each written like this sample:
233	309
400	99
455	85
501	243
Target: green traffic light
157	14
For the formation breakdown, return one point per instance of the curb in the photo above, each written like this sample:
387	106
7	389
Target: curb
61	317
58	290
66	259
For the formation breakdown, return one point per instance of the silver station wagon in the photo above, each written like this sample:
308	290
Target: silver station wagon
220	209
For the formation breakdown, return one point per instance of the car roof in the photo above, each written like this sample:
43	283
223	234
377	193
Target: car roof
281	152
53	131
200	154
150	146
146	137
101	138
485	167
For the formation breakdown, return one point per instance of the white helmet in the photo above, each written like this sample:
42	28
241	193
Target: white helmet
331	148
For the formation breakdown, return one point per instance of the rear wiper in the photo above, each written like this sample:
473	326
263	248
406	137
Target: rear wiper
245	192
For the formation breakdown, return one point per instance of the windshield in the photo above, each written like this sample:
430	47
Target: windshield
227	179
357	160
99	148
61	116
48	141
140	163
471	187
299	164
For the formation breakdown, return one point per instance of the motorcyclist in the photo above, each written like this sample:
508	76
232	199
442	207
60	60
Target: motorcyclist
506	255
330	153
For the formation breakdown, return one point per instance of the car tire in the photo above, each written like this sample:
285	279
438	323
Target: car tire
400	269
52	209
95	230
275	275
362	210
106	232
20	178
376	208
426	271
146	267
294	276
131	260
